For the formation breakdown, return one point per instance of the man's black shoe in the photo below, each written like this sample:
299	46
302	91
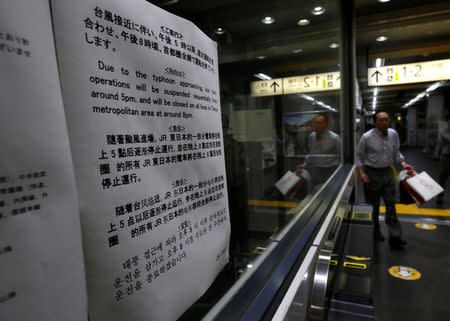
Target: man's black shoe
377	236
397	242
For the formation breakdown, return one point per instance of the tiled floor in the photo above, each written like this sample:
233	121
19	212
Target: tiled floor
428	251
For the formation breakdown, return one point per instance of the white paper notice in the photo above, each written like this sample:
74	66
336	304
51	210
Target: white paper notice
141	94
41	263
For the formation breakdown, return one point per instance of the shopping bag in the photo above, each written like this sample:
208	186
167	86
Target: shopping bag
422	187
404	197
289	184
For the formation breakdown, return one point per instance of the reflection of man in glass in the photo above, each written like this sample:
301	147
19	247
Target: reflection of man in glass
444	166
324	151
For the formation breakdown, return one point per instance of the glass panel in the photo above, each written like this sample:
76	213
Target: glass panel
280	99
404	71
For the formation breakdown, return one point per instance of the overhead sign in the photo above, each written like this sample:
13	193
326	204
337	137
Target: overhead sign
310	83
409	73
267	87
297	84
404	273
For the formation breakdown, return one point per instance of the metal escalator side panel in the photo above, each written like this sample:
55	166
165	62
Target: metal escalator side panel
326	241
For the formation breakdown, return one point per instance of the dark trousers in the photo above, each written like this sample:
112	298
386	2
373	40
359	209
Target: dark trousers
381	184
444	170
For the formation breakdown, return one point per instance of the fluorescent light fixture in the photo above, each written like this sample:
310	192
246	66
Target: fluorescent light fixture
268	20
334	45
317	102
297	50
424	93
379	62
263	76
318	10
358	120
260	57
303	22
434	86
307	97
382	38
375	92
168	2
249	266
384	0
219	30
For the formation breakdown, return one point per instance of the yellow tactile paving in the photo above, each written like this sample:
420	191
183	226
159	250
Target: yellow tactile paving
413	209
272	203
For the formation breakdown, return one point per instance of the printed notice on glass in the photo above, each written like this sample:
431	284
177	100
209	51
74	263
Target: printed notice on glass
141	95
41	261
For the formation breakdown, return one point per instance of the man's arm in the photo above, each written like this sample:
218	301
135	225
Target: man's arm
360	156
305	162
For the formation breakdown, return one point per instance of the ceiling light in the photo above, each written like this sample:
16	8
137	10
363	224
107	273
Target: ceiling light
268	20
307	97
424	93
384	0
219	30
379	62
303	22
375	92
260	57
168	2
382	38
318	10
262	76
297	50
434	86
334	45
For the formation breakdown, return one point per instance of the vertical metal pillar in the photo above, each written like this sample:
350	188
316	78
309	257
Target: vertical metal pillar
348	78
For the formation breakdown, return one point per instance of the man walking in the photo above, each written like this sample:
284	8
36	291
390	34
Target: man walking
377	150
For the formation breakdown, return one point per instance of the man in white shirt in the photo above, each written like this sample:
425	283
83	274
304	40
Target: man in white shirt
324	151
377	150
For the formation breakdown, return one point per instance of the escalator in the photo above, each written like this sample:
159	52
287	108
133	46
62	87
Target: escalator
336	285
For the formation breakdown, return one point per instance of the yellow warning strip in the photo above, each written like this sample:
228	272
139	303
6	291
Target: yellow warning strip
401	208
272	203
413	209
354	265
358	258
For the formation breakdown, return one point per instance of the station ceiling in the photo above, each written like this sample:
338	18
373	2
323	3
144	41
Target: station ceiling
417	31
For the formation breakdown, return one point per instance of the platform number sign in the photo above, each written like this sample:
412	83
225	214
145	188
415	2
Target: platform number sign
409	73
